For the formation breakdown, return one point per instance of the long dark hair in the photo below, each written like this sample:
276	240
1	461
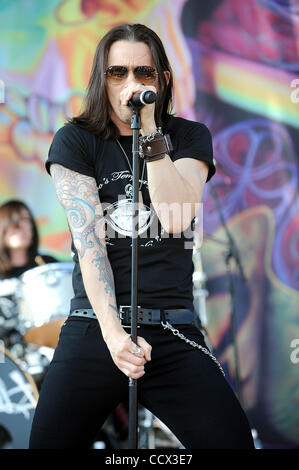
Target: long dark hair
96	114
9	212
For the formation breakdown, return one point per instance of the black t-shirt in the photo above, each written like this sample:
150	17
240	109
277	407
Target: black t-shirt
165	265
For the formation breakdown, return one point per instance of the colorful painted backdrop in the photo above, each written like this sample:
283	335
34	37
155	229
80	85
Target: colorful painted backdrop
236	69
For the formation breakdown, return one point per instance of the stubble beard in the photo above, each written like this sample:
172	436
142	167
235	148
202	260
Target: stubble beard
122	117
126	115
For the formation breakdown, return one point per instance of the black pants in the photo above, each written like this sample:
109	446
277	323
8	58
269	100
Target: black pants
182	387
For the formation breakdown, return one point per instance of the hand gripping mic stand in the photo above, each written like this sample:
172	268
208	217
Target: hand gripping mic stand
133	404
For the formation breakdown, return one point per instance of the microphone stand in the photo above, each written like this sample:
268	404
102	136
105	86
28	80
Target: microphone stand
232	252
133	404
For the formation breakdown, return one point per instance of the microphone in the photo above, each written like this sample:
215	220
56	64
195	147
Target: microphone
141	98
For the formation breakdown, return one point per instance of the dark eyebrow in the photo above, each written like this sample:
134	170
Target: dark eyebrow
137	66
116	65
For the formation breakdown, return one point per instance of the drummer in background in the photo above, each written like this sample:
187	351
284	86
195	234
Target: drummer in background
18	241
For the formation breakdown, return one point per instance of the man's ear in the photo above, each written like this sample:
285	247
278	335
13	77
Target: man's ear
167	76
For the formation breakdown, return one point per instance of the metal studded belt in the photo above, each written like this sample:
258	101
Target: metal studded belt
145	316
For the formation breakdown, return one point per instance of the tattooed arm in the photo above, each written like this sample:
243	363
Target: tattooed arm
78	194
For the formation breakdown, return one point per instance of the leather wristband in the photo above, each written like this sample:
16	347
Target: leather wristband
155	148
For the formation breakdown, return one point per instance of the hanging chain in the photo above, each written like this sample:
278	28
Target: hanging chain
176	332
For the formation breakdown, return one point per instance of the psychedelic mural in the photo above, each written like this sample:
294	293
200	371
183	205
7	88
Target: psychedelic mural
236	69
246	64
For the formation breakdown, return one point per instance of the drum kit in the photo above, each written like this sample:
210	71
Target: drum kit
32	311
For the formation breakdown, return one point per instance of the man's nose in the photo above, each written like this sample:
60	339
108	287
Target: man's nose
131	77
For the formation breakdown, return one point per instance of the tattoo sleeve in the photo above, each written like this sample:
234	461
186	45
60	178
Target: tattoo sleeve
78	194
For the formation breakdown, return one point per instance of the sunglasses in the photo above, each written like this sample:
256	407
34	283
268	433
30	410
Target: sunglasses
143	74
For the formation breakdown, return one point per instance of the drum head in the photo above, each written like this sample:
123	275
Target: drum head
18	398
43	297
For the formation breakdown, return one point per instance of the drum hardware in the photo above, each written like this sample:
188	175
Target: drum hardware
34	360
8	311
200	293
9	321
199	277
53	279
232	254
146	430
257	443
153	433
164	437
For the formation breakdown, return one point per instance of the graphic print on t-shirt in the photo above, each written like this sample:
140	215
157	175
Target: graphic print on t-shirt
119	214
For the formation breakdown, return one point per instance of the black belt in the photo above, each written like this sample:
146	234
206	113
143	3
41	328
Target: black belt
146	316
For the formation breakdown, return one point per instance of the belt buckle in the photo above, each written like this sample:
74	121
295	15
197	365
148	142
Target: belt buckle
121	311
